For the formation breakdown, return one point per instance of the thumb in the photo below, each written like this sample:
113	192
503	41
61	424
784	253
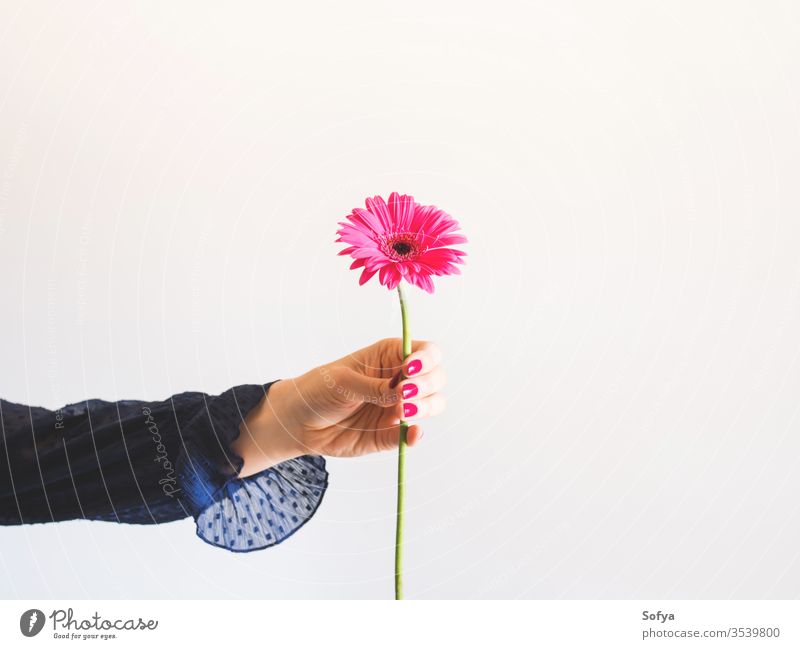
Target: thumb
369	389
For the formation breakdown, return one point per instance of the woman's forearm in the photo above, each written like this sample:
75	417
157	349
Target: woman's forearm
266	437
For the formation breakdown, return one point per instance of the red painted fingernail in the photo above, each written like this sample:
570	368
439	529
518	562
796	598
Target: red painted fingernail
409	409
414	367
410	390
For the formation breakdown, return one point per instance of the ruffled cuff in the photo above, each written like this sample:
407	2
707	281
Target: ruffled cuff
243	514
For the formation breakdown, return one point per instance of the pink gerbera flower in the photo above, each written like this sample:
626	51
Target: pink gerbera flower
401	240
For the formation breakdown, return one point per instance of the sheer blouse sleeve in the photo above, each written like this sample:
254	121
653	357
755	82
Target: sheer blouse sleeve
153	462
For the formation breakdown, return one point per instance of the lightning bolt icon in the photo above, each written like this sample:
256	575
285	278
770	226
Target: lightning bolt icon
32	621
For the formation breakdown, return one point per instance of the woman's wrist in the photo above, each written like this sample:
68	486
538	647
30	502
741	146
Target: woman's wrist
266	436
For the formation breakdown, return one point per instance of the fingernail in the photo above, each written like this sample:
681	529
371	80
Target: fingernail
414	367
409	409
395	380
410	390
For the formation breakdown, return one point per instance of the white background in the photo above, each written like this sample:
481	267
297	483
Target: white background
622	348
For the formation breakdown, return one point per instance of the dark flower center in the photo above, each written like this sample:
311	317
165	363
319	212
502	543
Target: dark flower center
401	247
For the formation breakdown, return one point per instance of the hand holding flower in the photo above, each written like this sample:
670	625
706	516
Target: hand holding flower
350	407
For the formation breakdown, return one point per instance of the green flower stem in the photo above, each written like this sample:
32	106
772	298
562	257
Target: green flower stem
401	463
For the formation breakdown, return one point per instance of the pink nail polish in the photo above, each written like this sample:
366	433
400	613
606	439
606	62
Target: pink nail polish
410	390
414	367
409	409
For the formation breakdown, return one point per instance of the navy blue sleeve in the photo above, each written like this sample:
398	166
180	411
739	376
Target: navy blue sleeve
152	462
243	514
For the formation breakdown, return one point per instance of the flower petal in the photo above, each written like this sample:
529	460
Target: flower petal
370	219
366	275
377	206
423	281
450	240
402	208
389	276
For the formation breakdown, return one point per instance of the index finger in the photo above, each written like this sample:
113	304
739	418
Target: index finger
425	357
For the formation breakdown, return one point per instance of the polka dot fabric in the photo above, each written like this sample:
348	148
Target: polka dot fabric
262	510
243	514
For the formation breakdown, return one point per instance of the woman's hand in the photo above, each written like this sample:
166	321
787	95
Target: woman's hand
350	407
